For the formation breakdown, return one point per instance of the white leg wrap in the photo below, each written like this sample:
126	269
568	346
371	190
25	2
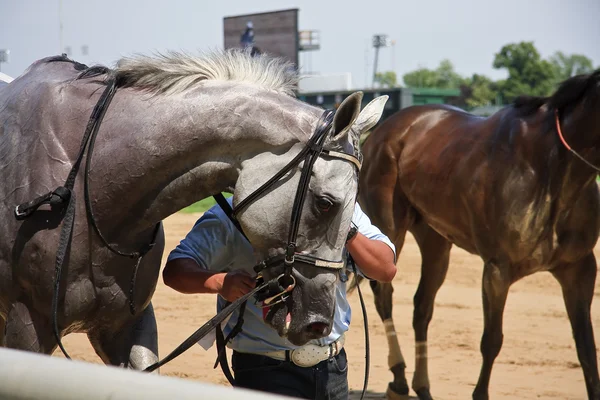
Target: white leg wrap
395	355
421	377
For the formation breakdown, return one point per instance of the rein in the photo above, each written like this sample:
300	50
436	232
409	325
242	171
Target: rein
564	142
207	327
64	196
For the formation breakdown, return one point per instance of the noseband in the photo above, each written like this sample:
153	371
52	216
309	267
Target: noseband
314	149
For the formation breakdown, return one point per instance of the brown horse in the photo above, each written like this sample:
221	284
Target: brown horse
517	188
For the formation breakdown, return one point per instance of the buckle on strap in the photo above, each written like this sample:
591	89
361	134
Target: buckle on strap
58	196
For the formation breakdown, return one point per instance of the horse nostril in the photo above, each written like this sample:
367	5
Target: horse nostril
319	328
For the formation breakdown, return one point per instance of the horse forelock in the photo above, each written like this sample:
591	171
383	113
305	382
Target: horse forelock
176	72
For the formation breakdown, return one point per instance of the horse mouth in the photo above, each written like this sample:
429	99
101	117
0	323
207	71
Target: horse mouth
279	317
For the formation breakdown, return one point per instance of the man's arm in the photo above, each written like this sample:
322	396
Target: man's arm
186	276
375	258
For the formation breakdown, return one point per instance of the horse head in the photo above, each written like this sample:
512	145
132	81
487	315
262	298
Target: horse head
322	216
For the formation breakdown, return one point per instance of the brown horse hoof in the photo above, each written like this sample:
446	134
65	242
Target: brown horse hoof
424	394
391	394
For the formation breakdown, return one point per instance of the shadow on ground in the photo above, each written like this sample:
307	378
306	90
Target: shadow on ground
355	395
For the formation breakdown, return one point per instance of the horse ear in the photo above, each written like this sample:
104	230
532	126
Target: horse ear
346	114
370	115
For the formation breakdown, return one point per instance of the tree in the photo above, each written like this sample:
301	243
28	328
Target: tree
479	91
528	73
447	77
566	66
386	79
421	78
443	77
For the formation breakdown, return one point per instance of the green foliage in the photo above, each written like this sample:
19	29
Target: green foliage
448	78
528	73
386	79
443	77
202	205
421	78
479	91
567	66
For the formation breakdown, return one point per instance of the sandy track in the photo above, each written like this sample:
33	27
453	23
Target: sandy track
538	359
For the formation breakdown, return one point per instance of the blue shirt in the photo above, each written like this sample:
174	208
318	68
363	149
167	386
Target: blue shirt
216	245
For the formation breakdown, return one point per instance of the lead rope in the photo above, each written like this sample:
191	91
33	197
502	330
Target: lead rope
564	142
366	322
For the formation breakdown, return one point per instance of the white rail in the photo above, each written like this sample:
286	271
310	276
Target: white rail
25	375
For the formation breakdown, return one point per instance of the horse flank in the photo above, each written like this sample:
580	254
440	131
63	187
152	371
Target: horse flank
175	72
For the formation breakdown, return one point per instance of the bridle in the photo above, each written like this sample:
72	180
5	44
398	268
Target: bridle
564	142
314	149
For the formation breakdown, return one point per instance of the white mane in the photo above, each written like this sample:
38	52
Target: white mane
176	72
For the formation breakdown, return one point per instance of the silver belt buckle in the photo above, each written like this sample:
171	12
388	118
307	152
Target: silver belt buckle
315	355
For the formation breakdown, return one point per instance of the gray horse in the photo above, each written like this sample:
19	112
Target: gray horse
179	129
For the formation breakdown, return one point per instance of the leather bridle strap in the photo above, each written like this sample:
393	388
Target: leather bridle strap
315	147
321	130
309	155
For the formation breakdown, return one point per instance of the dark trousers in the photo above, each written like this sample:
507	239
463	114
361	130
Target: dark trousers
327	380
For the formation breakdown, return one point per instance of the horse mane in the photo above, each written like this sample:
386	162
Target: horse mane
176	72
568	93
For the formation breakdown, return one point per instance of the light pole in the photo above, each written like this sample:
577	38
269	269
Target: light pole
378	41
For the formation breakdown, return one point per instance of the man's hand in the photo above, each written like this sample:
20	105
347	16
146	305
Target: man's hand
233	285
185	276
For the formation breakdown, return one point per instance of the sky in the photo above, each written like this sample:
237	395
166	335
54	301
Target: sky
467	32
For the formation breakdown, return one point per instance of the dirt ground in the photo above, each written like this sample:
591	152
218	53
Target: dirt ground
538	359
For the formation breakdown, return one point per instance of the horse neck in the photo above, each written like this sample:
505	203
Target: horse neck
168	152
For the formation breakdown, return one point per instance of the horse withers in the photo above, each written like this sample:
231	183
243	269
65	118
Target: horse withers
175	129
517	188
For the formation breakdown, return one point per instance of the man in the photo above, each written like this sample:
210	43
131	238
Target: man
216	258
247	38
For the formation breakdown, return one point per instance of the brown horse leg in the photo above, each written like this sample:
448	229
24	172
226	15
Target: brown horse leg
495	287
134	346
26	329
577	282
389	210
435	254
398	389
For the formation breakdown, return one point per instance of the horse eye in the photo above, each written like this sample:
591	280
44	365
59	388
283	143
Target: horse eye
324	204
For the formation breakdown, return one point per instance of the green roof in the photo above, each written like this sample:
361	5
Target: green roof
435	92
